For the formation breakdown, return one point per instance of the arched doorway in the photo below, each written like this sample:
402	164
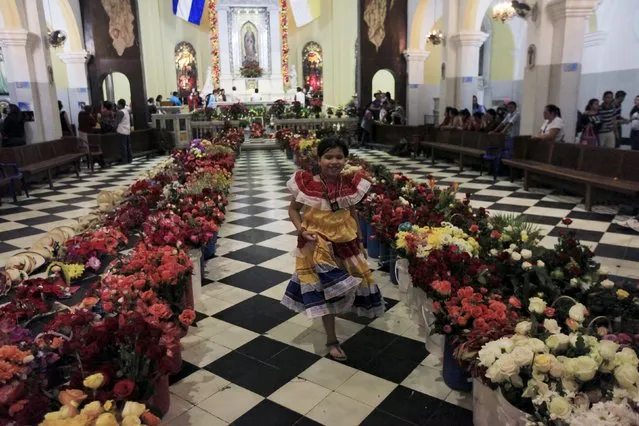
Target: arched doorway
116	86
185	68
384	81
313	67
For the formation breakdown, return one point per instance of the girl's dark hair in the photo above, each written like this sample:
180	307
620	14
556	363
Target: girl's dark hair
465	113
454	111
554	110
478	115
590	102
329	143
491	111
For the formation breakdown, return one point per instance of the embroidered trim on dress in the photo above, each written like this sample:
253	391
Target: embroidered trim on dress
307	191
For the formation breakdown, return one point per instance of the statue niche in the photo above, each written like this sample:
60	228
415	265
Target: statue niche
250	42
185	68
313	67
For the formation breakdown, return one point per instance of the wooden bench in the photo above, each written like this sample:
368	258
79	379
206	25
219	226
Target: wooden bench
589	167
45	157
465	145
143	144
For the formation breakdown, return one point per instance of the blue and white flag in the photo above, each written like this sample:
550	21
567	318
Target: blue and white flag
189	10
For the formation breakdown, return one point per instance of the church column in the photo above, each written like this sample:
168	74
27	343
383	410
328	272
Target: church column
226	73
415	100
277	86
594	44
450	18
78	83
569	19
467	77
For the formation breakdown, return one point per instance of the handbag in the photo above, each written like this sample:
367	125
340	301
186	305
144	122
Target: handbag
589	137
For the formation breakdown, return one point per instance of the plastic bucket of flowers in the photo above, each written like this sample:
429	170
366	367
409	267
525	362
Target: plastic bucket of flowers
208	251
384	256
454	376
373	242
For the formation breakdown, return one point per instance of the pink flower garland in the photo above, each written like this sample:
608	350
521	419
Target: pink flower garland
284	31
215	42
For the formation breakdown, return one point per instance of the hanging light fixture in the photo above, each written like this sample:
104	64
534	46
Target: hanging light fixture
57	38
504	11
435	37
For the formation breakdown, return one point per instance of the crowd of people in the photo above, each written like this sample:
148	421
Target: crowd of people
600	124
504	119
383	109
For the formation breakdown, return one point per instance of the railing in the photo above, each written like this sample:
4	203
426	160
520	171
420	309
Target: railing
298	124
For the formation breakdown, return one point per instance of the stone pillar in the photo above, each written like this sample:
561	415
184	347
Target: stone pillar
592	61
569	18
415	99
78	82
468	44
30	87
277	85
450	18
226	73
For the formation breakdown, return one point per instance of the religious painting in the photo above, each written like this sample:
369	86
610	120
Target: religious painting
121	20
185	67
250	42
313	67
375	17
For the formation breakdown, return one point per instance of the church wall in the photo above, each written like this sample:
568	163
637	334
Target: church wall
160	32
336	34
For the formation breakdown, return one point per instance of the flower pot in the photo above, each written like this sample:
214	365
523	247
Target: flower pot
484	404
289	153
196	278
391	266
161	398
508	414
384	256
454	376
208	251
373	243
364	230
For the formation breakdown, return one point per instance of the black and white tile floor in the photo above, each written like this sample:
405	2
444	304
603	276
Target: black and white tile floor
251	361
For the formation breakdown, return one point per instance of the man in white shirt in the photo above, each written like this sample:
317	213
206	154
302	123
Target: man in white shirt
123	120
255	97
300	96
510	125
234	96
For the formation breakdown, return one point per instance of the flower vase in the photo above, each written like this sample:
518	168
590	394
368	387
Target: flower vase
208	251
364	230
161	399
454	376
403	277
373	242
196	278
508	414
391	266
289	153
384	256
484	404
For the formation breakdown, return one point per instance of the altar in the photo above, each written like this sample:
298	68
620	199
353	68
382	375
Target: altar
249	35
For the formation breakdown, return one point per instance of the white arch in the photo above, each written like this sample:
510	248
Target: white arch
482	9
434	11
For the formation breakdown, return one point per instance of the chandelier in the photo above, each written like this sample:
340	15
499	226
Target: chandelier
504	11
435	37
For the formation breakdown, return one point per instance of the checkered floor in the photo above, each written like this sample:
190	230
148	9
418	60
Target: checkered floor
252	361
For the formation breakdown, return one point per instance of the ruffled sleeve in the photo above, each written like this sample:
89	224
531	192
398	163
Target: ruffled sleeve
307	191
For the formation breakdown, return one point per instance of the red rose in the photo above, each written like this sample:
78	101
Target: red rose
436	306
474	228
566	221
495	235
187	317
124	388
549	312
514	302
107	306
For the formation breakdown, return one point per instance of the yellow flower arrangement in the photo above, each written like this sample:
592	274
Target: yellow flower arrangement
308	144
94	381
69	271
423	240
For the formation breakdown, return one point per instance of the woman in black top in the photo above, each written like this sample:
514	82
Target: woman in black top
64	121
13	128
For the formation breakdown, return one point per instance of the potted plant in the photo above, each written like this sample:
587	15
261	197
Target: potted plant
251	69
316	106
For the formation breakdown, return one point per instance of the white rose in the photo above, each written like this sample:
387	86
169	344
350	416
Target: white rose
523	328
512	246
536	345
508	366
526	266
607	283
536	305
558	342
626	356
559	407
541	264
522	355
574	282
489	353
515	256
577	312
608	349
583	368
627	376
569	384
526	254
544	362
508	228
552	326
494	252
495	374
557	369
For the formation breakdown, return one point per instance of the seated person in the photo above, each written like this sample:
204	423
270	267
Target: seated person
448	118
456	120
13	128
475	121
489	121
553	127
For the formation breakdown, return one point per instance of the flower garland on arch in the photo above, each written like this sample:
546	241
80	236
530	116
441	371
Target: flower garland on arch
215	42
284	32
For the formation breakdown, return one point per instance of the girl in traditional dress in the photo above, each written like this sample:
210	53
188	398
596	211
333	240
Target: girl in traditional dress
331	273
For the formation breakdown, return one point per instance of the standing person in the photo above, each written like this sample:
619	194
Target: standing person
476	107
123	120
367	127
634	125
590	123
620	96
222	95
255	97
510	125
65	123
150	107
608	114
107	118
13	128
553	127
235	98
86	123
193	100
331	272
376	106
174	99
300	96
